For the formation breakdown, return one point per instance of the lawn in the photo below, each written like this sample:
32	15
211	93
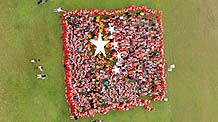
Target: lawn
29	30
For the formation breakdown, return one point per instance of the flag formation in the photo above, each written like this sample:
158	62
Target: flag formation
113	59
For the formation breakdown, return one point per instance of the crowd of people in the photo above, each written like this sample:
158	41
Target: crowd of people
135	50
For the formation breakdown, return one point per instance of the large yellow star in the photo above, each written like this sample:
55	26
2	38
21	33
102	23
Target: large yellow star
99	44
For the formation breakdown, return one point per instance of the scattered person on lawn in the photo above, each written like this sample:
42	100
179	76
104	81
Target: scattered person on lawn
58	9
35	60
165	99
40	68
171	67
42	1
41	76
97	120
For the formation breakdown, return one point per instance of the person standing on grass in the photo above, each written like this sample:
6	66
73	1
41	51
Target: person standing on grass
40	68
58	10
42	1
97	120
35	60
171	67
41	76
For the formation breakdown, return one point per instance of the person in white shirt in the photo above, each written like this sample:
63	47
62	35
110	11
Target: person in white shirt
41	76
40	68
42	1
35	60
58	9
171	67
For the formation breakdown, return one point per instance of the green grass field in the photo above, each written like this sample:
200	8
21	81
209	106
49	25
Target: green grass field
28	30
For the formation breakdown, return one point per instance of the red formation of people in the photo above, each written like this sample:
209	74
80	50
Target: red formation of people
91	84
